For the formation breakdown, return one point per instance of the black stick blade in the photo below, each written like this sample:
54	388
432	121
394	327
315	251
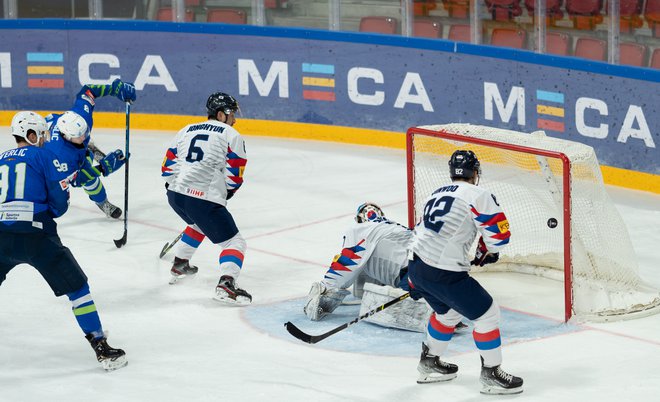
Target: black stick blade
164	251
297	333
120	242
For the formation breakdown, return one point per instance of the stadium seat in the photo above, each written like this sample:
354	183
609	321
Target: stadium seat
457	8
459	33
384	25
652	15
423	7
632	54
629	14
504	10
165	14
585	13
592	49
508	38
655	59
553	11
557	43
427	29
226	16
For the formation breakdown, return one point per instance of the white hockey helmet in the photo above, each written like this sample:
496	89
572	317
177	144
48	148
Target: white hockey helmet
24	122
369	212
73	127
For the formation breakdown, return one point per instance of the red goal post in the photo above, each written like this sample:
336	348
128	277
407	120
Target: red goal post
534	177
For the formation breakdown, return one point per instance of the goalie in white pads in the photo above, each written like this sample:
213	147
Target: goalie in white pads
453	216
203	168
374	260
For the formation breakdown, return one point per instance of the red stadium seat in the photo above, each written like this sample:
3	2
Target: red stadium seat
585	13
504	10
459	33
655	59
629	13
457	8
652	15
226	16
508	38
165	14
632	54
592	49
557	43
553	11
384	25
427	29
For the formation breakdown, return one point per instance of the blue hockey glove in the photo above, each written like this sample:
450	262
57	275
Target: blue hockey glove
124	91
112	162
482	256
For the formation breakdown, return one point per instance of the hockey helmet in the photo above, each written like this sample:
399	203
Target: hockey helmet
464	165
369	212
73	127
24	122
221	102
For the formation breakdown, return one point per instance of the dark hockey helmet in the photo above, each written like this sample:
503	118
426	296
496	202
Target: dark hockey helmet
220	102
463	164
369	212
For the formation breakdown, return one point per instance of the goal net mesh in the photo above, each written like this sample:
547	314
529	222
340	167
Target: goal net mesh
605	280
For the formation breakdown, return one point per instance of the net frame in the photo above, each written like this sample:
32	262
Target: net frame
457	134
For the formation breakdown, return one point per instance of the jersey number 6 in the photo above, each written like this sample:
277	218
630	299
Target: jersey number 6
435	209
195	153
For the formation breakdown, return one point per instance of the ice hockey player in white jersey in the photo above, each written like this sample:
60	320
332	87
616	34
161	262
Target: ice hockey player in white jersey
203	168
453	216
374	251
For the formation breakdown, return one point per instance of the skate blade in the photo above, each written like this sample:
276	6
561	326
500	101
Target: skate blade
240	300
111	365
176	278
495	390
428	378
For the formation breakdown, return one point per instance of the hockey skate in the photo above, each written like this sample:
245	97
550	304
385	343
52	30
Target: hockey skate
498	382
109	357
110	210
227	292
432	369
181	269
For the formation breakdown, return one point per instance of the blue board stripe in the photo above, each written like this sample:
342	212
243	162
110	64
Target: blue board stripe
318	68
59	57
550	96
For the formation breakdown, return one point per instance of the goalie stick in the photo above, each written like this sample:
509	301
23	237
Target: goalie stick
168	246
307	338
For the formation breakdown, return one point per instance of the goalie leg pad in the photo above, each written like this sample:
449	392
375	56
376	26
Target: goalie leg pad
409	314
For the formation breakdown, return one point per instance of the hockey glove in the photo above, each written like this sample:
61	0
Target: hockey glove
230	193
124	91
482	256
112	162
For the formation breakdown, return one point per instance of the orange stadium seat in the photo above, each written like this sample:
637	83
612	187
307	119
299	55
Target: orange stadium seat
557	43
585	13
459	33
655	59
632	54
629	14
553	11
457	8
226	16
384	25
165	14
427	29
592	49
504	10
508	38
652	15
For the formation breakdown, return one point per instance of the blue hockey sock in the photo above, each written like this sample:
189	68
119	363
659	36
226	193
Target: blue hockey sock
85	312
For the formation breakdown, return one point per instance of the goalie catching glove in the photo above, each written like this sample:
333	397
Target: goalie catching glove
482	256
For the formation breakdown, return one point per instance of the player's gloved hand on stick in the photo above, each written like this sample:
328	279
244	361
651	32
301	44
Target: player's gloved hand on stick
482	256
230	193
112	162
124	91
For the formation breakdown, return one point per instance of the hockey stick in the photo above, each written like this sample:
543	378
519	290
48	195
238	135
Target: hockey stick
296	332
120	242
168	246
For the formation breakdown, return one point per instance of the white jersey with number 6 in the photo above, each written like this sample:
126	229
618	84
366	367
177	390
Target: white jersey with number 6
452	217
205	160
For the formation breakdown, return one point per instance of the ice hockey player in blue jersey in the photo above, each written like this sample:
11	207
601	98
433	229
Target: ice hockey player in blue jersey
70	141
34	189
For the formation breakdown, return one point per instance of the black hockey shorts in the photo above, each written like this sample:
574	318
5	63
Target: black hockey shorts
46	253
444	290
213	219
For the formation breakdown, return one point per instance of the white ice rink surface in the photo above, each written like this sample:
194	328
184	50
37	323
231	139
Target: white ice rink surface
297	198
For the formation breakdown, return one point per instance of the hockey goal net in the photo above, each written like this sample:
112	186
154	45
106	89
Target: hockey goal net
538	180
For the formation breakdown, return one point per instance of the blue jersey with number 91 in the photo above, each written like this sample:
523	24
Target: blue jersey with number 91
34	189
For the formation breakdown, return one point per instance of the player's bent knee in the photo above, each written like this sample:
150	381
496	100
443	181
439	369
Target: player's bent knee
489	320
237	242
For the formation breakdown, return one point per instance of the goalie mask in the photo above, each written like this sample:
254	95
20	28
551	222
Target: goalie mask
369	212
464	165
24	122
221	102
73	127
